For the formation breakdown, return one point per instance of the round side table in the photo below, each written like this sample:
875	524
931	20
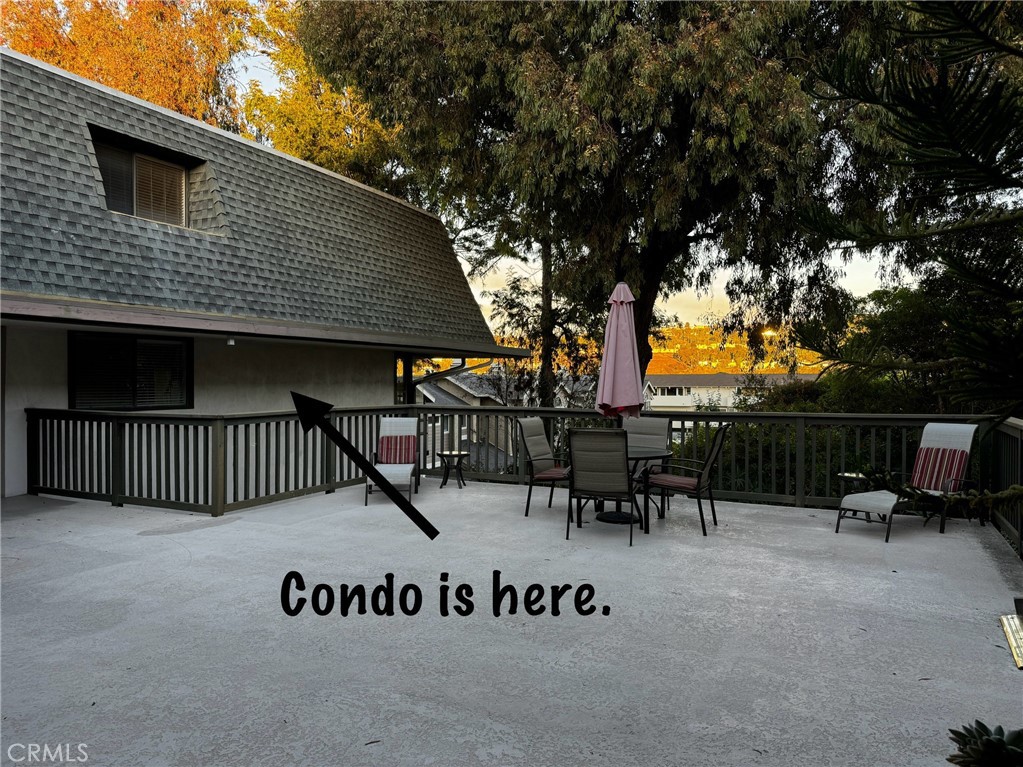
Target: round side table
452	459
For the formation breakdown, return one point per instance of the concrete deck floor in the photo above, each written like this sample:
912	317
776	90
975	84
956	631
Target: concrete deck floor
158	638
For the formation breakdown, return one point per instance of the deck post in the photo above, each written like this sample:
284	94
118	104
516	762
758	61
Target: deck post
329	456
800	489
34	469
117	462
218	474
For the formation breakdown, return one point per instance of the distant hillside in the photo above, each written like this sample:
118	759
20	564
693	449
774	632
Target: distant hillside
697	349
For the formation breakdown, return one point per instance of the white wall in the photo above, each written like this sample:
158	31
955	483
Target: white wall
36	376
253	376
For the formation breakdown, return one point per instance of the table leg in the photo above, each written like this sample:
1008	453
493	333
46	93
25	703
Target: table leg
458	473
447	470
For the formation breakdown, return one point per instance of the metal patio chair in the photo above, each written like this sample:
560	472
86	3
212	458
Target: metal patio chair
939	469
541	463
687	476
397	454
646	432
600	472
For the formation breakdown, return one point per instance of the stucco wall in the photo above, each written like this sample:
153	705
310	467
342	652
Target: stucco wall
36	376
258	376
249	377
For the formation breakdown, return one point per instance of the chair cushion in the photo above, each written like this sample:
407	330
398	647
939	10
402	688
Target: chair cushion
398	474
673	481
876	502
551	475
397	448
934	466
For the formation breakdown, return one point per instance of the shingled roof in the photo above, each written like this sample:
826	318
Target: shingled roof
275	246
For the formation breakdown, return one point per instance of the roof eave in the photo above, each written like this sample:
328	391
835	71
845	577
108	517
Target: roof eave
100	313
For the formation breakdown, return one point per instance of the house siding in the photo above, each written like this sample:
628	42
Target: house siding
344	377
36	376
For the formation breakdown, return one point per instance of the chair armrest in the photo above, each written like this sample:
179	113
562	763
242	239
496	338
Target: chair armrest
558	460
667	466
692	461
531	461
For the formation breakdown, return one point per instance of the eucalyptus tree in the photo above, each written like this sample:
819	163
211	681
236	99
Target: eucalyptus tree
653	142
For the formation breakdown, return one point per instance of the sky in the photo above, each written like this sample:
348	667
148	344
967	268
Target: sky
860	278
860	274
256	66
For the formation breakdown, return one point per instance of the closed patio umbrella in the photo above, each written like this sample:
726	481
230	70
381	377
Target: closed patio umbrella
620	386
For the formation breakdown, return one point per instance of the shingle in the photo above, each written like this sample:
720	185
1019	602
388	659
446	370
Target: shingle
284	241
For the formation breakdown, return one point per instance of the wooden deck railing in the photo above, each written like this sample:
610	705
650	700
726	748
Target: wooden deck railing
1006	467
195	463
217	464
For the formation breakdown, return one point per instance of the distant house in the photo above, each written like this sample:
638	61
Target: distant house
494	388
695	391
152	262
467	388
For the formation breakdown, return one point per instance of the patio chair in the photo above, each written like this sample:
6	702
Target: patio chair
646	432
694	482
541	463
397	454
600	472
938	470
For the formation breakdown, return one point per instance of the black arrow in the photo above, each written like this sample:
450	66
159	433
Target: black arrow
313	412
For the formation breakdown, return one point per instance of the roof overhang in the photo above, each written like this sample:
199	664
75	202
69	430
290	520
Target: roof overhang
103	314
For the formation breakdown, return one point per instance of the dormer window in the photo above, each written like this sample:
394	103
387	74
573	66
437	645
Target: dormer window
143	186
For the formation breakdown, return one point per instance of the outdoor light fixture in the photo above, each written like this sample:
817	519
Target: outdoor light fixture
230	342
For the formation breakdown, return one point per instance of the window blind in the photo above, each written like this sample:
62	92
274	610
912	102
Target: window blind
159	190
160	370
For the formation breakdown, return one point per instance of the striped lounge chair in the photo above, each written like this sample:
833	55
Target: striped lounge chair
397	454
939	469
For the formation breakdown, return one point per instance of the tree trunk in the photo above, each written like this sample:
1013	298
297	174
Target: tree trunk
644	316
546	383
655	258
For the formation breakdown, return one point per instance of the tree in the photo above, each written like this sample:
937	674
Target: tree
308	118
657	141
520	314
940	99
896	350
177	54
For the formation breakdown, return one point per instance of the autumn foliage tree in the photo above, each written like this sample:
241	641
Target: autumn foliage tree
307	117
177	54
